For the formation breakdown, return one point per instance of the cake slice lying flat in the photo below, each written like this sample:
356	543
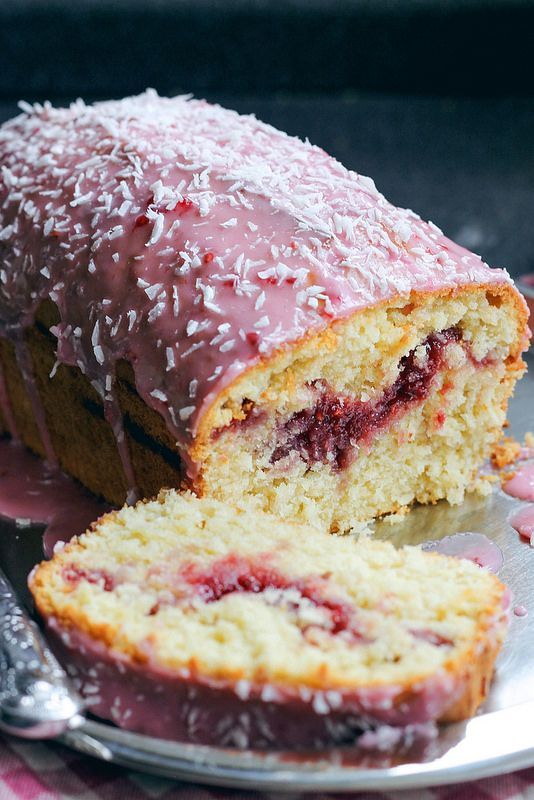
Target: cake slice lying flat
189	297
184	619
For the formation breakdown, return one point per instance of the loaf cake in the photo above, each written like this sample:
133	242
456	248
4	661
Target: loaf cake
189	297
186	619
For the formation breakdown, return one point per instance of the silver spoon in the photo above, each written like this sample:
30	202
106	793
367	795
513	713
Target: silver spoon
37	699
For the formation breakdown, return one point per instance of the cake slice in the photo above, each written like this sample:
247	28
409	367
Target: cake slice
186	619
189	297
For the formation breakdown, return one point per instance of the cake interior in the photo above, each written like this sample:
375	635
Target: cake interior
397	404
179	587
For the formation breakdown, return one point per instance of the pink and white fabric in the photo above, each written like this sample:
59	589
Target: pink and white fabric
38	771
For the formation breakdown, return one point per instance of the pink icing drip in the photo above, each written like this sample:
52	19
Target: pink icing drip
192	241
114	417
182	707
30	490
520	611
474	546
522	483
523	522
26	368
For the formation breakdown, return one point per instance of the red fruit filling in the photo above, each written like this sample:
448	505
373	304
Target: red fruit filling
329	431
237	574
427	635
74	574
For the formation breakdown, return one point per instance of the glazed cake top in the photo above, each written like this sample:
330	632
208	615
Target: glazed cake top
192	241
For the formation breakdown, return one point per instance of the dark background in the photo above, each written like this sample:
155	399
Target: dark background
432	98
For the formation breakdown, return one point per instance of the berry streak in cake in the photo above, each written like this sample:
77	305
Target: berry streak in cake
333	429
309	599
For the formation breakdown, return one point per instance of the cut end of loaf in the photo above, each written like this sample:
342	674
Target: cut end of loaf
399	404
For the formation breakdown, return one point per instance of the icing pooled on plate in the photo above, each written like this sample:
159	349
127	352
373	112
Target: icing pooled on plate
32	492
474	546
521	484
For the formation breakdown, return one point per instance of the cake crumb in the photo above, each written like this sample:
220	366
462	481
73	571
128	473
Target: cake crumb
482	485
505	452
397	516
508	451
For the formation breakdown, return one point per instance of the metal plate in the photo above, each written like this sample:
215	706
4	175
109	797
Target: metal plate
500	739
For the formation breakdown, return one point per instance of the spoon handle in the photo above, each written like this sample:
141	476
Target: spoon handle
37	699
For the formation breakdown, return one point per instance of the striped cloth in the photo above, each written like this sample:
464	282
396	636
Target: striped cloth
37	771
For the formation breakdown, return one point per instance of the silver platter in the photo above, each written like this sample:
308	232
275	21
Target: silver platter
500	739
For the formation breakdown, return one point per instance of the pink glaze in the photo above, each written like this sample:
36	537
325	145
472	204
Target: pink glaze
474	546
183	707
521	485
523	522
192	242
520	611
31	491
